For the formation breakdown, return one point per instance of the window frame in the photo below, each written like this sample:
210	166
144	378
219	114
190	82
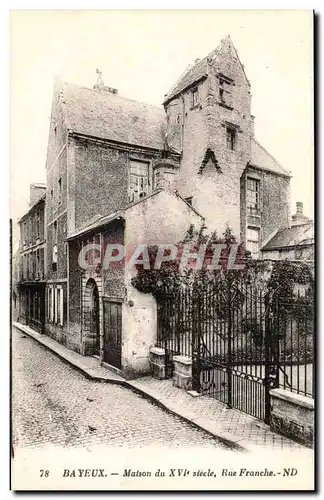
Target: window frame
195	101
37	225
225	91
231	138
59	191
253	196
253	240
134	196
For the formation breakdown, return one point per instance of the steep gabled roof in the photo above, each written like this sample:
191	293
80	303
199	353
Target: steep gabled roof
108	116
192	75
262	159
199	70
302	234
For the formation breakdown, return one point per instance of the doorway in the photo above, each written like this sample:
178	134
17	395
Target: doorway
94	316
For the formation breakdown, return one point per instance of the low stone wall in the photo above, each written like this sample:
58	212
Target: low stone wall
292	415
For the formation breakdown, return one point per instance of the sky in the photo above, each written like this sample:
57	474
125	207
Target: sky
142	53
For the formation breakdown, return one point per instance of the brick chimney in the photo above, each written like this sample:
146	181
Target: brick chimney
299	207
101	86
299	217
36	192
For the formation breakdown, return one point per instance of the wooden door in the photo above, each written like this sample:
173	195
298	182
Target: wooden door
112	332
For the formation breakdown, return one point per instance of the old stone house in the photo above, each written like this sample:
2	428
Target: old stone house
225	172
128	173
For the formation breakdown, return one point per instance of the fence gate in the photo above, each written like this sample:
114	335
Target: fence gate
228	330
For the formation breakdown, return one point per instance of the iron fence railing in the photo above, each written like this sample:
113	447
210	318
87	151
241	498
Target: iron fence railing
294	321
243	332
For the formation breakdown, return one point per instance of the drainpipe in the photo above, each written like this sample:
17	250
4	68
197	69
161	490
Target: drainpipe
81	309
182	122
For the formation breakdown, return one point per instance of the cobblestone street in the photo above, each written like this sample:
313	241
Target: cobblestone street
54	404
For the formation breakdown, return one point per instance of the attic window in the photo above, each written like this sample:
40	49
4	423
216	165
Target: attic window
194	96
225	91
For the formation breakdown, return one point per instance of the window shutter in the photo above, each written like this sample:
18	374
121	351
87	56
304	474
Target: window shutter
49	303
55	307
52	304
61	307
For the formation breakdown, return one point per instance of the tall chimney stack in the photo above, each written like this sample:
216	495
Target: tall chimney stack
36	191
299	217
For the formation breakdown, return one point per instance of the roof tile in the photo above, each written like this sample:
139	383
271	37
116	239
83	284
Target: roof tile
109	116
302	234
264	160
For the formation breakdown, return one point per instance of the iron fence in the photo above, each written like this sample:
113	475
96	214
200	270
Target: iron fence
294	321
242	342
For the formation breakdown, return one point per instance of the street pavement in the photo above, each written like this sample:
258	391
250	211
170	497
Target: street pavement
53	404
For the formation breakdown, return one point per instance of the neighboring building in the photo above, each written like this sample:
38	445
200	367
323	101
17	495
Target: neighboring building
32	250
15	287
128	173
294	243
108	316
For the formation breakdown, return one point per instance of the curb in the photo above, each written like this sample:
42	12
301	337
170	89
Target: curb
84	372
228	440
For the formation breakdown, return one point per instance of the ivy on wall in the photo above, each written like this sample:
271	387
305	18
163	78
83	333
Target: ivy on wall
279	278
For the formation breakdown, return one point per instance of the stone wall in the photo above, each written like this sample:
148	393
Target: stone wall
217	187
101	180
292	415
161	218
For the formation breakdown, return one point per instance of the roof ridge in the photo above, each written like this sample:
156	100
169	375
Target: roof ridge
173	91
111	117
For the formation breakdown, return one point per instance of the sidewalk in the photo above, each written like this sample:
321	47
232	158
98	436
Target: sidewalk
87	365
236	429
